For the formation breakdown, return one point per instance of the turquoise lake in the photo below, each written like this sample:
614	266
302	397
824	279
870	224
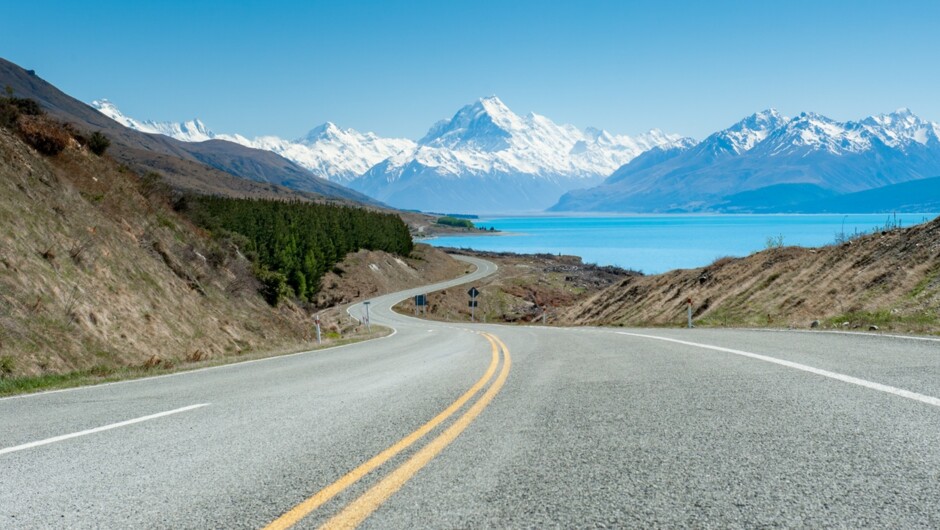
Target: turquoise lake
657	243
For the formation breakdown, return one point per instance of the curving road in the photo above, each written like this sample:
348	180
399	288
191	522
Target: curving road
474	426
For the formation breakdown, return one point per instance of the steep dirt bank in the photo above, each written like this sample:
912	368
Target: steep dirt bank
890	280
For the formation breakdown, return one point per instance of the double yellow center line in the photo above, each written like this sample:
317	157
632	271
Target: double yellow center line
358	510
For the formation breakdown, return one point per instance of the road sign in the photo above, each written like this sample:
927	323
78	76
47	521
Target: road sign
473	292
421	300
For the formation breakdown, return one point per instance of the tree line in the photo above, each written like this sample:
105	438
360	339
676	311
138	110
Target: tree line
294	243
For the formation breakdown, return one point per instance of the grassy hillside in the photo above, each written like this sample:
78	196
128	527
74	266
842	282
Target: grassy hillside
95	276
889	279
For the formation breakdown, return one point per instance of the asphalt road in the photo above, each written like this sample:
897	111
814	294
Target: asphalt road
476	426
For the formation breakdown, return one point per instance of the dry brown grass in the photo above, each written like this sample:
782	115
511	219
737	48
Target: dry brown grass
888	279
43	134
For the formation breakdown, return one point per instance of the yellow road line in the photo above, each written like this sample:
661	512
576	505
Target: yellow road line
303	509
364	506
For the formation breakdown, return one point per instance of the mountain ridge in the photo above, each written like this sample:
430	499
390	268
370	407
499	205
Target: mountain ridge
206	167
483	145
811	149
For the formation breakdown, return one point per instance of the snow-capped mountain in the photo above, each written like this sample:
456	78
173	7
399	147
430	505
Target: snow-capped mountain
770	162
190	131
327	151
810	132
745	134
486	158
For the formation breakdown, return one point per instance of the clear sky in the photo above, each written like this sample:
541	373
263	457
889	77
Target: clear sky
283	67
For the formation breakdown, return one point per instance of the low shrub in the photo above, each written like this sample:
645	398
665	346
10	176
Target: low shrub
273	286
44	135
98	143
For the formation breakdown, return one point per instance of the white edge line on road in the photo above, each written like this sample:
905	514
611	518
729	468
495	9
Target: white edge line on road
929	400
196	371
125	423
839	332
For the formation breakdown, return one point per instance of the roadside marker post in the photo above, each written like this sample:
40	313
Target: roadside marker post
689	302
368	321
317	320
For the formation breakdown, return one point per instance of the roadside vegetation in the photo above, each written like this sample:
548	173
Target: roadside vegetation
293	244
884	280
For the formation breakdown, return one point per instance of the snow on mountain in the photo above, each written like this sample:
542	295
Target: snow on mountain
900	129
330	152
490	137
750	131
810	132
487	158
766	156
190	131
327	151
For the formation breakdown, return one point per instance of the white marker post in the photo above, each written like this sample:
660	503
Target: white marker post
368	322
689	301
317	320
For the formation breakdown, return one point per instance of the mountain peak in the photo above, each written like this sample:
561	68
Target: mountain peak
327	129
109	109
485	125
745	134
494	105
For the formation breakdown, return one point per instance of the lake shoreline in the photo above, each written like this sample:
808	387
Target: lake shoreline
656	243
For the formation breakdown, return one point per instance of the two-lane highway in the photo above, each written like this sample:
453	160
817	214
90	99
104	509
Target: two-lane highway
456	425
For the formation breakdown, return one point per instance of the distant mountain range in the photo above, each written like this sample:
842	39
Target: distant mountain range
770	163
326	151
487	159
484	159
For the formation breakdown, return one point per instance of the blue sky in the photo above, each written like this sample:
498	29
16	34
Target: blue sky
283	67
